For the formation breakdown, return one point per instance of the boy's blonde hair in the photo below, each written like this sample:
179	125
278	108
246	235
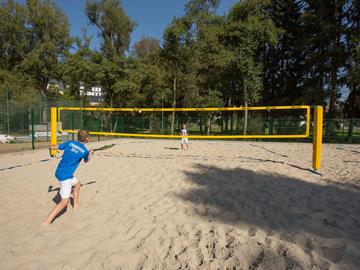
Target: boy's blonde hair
83	135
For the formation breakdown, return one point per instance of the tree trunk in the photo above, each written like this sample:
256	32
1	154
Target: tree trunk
245	105
332	92
109	118
208	125
332	98
245	118
227	116
334	69
174	106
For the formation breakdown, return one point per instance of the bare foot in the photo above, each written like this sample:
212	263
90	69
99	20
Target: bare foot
76	206
44	224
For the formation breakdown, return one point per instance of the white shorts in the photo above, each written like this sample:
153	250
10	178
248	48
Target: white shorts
65	187
184	141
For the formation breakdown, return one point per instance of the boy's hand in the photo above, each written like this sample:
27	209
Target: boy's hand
53	147
91	152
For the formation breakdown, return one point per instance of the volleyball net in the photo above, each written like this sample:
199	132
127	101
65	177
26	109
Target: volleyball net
272	122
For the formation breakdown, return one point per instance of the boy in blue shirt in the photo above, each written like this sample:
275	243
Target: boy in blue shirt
74	152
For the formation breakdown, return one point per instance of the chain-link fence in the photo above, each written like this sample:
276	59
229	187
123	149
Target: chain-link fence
28	122
31	123
341	130
282	122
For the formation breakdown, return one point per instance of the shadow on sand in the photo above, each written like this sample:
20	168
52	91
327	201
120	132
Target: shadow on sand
280	204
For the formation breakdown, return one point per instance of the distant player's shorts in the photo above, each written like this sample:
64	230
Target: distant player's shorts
184	141
65	187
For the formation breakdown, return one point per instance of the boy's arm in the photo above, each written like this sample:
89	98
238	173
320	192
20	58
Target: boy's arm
60	146
57	147
88	157
53	148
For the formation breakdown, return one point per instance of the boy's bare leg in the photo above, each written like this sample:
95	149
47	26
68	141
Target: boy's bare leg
56	210
76	191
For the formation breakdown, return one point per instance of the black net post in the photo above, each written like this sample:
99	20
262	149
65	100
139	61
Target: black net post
32	129
99	128
81	115
72	125
7	113
351	130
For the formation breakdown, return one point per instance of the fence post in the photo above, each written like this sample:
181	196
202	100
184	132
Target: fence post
142	123
53	131
121	124
22	122
81	115
271	124
47	123
317	136
351	130
99	128
7	113
32	129
72	125
162	122
40	110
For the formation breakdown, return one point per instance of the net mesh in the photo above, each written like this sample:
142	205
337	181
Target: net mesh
213	123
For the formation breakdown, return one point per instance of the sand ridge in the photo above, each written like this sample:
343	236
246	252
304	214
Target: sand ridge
145	204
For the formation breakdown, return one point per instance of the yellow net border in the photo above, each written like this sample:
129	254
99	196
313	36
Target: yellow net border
140	110
317	131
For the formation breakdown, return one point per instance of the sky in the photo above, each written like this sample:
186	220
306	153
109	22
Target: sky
151	16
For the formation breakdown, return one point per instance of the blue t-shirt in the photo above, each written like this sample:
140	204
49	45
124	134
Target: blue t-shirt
74	152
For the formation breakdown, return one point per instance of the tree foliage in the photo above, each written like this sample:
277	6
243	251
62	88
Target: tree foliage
262	52
34	42
114	25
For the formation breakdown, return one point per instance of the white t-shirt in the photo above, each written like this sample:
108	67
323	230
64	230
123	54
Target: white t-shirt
184	132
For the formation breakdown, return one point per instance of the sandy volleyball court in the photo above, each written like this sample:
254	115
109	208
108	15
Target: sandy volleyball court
145	204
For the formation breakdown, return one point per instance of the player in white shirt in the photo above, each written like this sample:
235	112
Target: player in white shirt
184	141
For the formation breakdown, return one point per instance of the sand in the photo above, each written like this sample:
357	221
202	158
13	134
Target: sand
145	204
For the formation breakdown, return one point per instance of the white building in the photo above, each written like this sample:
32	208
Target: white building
95	95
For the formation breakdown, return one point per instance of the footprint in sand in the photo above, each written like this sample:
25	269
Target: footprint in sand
252	232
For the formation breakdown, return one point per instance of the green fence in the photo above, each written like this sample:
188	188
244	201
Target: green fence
334	130
29	122
17	120
341	130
